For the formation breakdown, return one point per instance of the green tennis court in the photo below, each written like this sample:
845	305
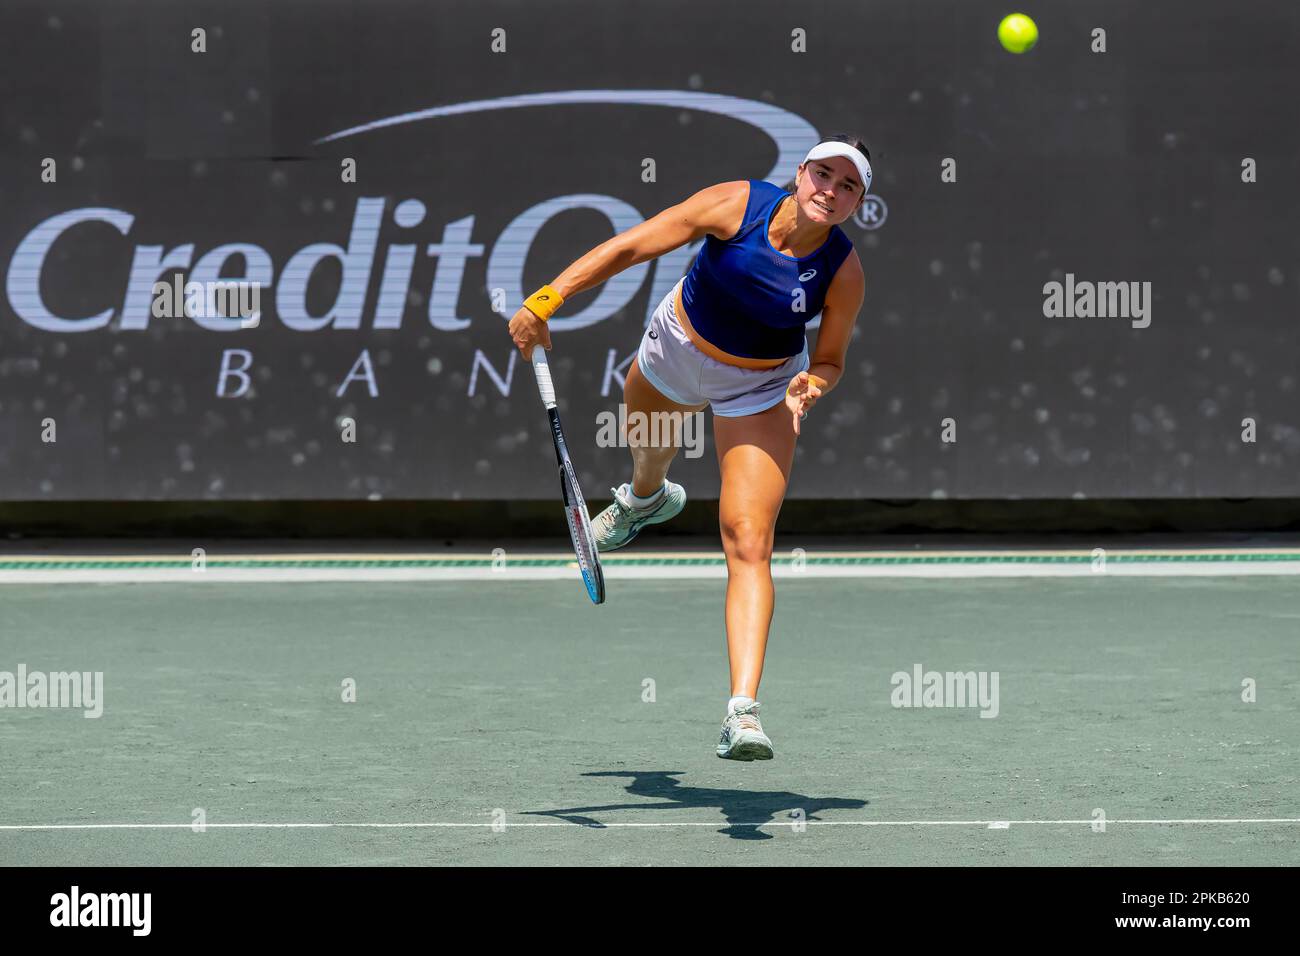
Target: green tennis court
505	720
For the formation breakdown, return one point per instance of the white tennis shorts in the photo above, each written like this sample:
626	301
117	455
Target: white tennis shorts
674	366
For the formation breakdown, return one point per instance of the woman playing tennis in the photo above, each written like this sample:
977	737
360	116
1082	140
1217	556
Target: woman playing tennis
730	335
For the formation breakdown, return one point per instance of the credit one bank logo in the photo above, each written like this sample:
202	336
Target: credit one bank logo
363	260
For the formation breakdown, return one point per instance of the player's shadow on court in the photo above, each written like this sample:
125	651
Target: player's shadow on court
745	811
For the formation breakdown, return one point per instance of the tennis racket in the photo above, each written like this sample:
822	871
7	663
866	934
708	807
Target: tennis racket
575	508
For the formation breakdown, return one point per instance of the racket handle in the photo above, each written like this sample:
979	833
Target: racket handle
543	373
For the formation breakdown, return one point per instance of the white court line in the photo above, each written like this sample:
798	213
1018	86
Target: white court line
663	825
779	554
634	572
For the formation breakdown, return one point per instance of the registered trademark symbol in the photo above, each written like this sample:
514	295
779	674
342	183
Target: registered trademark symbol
873	213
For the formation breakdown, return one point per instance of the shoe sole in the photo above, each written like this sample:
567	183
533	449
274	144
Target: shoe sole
605	549
748	750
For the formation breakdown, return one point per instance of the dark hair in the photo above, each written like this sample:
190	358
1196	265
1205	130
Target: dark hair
851	138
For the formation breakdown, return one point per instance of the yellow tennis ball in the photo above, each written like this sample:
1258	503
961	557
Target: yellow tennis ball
1018	33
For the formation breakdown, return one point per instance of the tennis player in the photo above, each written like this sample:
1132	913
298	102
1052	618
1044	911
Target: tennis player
731	335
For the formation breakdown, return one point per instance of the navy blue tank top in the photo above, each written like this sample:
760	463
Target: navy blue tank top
740	292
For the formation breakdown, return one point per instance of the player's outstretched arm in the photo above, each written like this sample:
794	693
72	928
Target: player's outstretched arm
714	210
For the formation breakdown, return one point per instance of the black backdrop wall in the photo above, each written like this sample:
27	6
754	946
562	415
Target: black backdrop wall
479	170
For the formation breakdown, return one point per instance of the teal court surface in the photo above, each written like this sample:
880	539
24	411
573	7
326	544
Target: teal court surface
280	709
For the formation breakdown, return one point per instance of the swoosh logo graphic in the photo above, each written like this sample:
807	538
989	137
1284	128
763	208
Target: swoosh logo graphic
792	135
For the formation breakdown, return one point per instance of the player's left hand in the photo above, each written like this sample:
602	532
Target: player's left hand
802	394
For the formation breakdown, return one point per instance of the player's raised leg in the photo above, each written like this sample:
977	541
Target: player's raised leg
653	432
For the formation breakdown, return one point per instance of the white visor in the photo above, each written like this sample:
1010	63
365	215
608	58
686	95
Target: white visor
836	148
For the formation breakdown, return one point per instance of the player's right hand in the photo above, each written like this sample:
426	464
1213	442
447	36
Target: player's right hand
527	330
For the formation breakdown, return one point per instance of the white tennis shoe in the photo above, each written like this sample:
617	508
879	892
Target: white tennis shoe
742	735
617	525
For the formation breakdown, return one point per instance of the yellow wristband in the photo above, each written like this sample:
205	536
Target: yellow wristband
544	302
